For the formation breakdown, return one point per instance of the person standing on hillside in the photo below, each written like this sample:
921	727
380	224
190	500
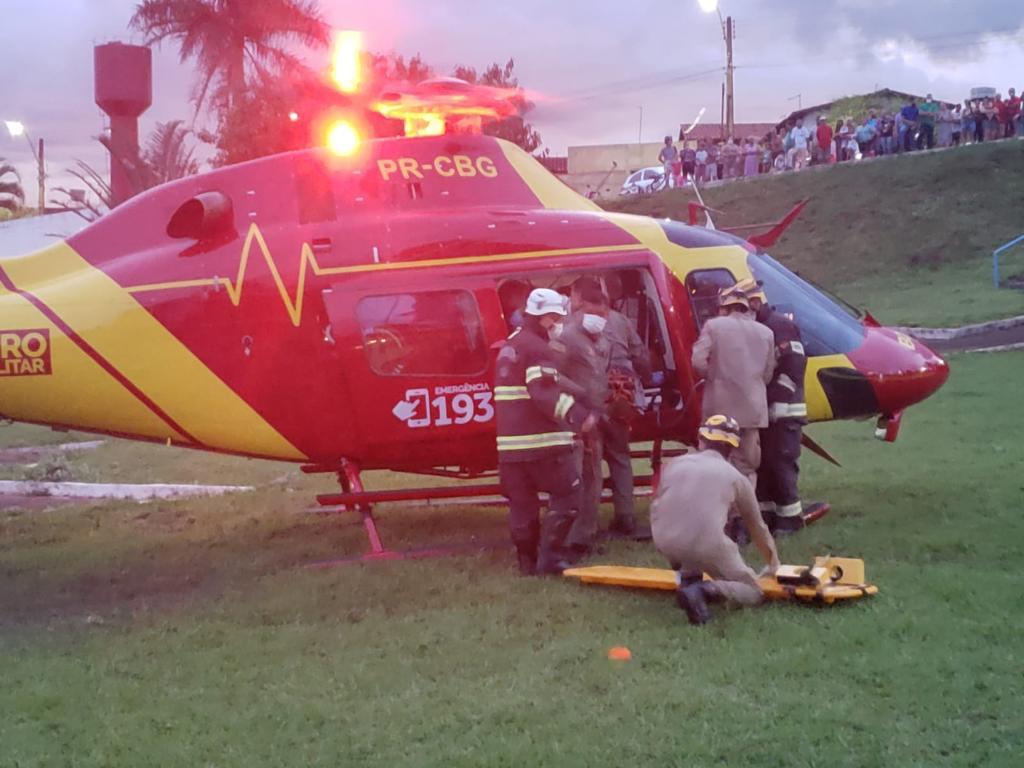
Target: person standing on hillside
980	118
1019	111
1009	113
824	144
886	141
801	139
751	158
946	126
910	115
701	159
667	157
689	163
929	115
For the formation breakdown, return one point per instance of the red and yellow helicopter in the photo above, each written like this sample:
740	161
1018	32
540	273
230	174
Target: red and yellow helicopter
340	310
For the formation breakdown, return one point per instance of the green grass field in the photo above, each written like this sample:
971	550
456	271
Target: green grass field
909	238
189	633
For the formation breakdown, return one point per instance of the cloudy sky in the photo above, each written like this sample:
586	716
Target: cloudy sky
595	65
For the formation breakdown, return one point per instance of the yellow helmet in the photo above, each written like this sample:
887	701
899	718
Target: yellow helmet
730	296
721	429
751	288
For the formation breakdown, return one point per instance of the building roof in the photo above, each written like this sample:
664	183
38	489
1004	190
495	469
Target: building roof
714	131
879	97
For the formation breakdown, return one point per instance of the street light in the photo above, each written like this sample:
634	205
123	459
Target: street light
16	129
711	6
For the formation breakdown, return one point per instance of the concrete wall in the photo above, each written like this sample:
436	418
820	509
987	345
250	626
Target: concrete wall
591	170
599	158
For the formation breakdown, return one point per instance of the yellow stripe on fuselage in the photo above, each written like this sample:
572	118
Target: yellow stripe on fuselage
107	317
78	392
818	406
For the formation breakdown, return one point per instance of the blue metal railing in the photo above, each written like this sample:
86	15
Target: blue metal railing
996	254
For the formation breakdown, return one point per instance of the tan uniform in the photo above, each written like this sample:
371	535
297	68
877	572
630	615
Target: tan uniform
688	516
736	355
584	369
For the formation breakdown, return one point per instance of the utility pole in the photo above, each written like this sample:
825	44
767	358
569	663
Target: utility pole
730	117
640	130
722	123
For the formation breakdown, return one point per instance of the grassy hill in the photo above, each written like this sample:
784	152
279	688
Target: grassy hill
910	237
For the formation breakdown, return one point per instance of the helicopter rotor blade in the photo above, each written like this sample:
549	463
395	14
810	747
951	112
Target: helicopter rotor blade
808	442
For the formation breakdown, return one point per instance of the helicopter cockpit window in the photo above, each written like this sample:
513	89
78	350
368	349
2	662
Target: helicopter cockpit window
704	287
436	333
826	327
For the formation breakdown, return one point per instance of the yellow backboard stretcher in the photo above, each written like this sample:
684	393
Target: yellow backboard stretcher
829	579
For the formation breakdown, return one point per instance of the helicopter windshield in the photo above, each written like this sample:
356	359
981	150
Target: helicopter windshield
826	327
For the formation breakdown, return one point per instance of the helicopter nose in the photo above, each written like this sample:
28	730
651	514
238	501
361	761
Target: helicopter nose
900	369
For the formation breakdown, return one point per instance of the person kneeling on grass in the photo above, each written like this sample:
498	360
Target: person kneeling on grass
688	518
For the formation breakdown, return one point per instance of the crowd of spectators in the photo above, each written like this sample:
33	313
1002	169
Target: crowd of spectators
796	145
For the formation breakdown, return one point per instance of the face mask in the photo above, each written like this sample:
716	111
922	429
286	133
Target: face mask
555	330
594	324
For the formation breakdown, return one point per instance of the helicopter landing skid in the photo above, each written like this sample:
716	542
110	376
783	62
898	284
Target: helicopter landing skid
354	497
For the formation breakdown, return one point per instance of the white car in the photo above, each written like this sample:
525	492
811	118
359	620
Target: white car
644	181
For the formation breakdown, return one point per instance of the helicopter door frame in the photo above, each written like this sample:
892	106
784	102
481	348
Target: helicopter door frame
399	338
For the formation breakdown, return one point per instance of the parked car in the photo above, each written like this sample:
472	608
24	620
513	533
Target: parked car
644	181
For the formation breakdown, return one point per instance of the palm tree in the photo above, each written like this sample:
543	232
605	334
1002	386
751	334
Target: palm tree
227	38
164	158
12	196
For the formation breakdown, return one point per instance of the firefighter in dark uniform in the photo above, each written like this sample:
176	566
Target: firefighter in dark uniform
537	428
777	482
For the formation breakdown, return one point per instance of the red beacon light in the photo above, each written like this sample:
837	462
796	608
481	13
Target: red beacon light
446	105
342	138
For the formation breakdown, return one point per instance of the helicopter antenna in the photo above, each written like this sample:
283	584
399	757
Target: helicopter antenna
707	211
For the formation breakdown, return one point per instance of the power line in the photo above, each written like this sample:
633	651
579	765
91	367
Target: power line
643	83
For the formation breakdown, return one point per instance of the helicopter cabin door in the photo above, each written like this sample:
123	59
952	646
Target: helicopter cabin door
416	356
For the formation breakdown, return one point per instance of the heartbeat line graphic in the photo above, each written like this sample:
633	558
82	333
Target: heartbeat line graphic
307	261
234	288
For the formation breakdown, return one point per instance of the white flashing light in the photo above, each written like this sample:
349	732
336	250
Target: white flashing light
708	6
15	128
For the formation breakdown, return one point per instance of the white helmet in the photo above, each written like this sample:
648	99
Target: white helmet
544	301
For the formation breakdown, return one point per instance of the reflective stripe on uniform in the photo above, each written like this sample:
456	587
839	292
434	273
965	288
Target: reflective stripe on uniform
564	404
529	442
790	510
766	506
788	411
797	348
504	394
785	381
535	372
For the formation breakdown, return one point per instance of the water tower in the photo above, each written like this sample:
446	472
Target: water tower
124	90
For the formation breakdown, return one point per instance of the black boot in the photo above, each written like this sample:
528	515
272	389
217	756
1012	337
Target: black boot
691	598
784	526
527	556
815	511
551	555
